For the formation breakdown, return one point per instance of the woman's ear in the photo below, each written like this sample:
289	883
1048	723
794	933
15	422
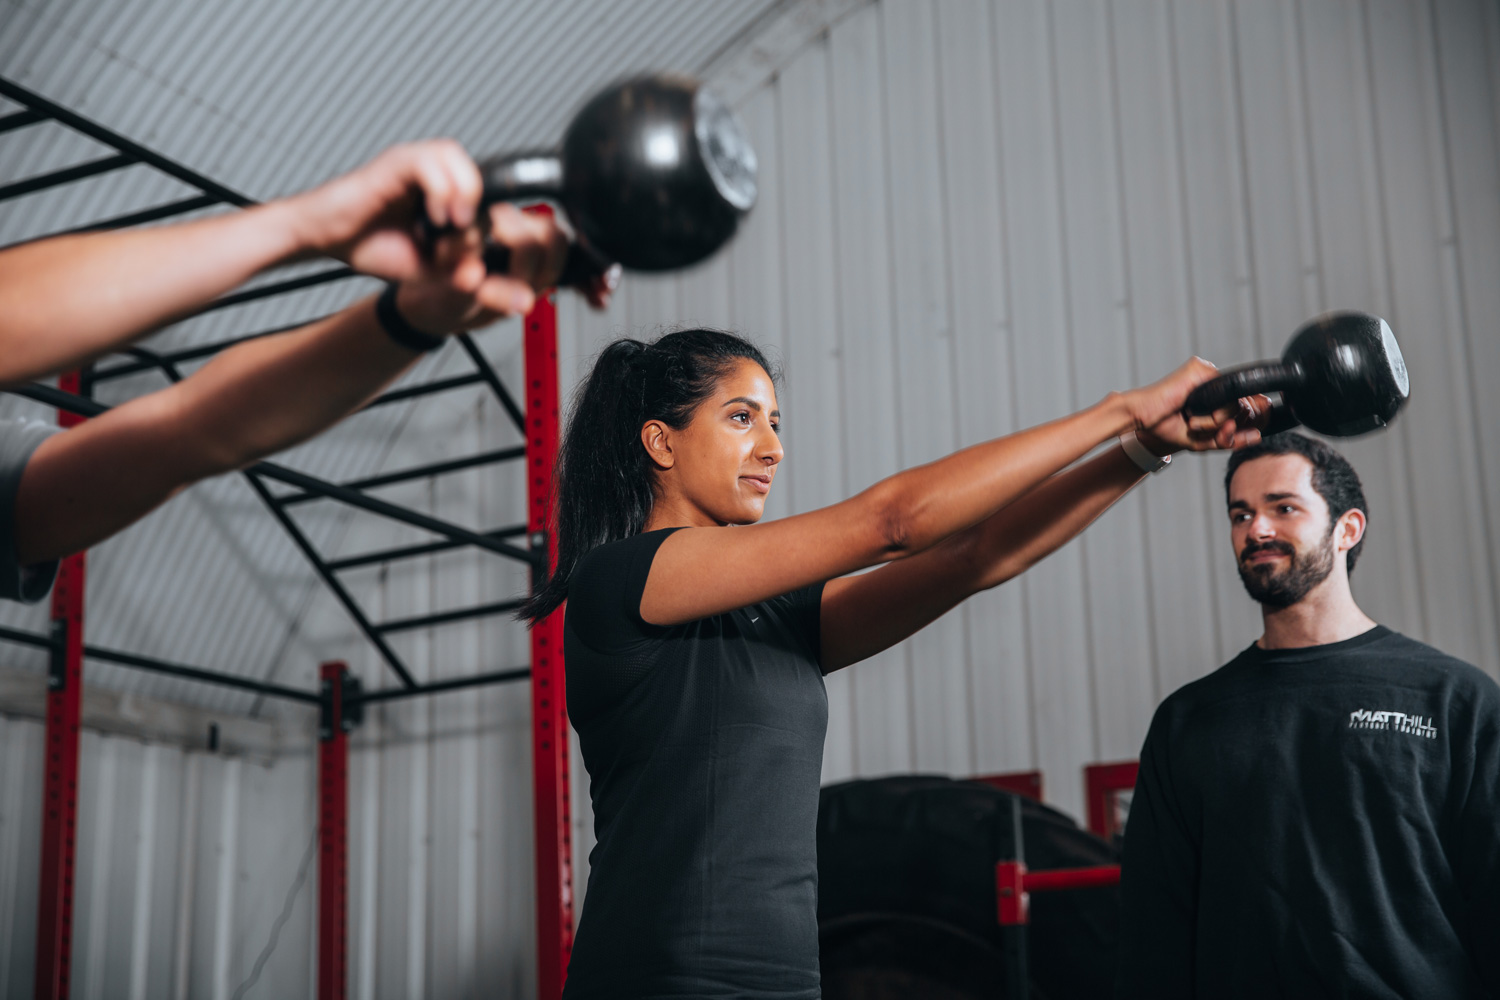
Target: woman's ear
657	437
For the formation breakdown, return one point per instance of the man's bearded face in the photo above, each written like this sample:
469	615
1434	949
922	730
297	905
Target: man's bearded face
1280	583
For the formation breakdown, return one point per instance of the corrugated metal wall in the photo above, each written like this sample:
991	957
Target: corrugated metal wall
974	217
185	862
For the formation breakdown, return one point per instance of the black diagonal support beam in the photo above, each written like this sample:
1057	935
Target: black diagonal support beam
164	667
37	103
455	684
447	617
417	472
147	360
19	119
487	372
312	484
156	214
282	288
425	389
321	568
354	498
412	551
67	175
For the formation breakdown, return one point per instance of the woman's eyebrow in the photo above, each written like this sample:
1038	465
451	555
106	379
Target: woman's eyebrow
750	403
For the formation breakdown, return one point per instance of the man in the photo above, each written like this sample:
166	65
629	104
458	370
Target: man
1320	816
66	300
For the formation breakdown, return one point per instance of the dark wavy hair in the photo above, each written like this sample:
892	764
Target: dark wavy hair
1333	477
605	483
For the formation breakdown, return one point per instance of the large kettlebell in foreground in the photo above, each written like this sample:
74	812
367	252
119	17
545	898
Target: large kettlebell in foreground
654	173
1341	374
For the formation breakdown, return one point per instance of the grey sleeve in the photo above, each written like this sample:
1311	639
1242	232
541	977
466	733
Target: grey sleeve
27	584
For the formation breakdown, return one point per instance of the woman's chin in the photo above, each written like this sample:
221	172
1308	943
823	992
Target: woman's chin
746	514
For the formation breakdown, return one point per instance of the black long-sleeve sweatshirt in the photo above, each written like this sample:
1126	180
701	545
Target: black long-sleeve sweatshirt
1319	822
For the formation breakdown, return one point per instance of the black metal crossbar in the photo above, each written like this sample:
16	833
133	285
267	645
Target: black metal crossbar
447	617
38	104
66	175
164	211
281	288
417	472
152	360
20	119
409	551
455	684
425	389
164	667
311	484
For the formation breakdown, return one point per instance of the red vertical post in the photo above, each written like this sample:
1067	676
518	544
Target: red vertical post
549	713
1102	783
54	927
333	838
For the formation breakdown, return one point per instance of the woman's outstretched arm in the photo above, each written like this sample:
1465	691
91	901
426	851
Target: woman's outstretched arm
862	615
705	571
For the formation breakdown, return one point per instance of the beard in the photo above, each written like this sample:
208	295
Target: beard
1285	587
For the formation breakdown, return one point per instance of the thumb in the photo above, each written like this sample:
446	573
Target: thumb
505	295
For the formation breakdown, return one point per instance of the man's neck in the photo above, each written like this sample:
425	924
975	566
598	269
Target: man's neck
1327	614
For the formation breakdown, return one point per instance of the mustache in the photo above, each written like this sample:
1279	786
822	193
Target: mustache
1284	548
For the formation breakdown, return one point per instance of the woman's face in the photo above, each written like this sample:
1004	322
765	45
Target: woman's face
719	468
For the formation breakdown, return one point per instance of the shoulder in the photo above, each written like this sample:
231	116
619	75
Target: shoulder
1429	666
619	557
1222	682
605	587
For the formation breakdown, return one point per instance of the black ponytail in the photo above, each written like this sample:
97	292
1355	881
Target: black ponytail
604	485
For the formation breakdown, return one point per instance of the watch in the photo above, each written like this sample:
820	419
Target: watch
1142	456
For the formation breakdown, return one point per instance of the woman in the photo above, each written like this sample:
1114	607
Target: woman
697	639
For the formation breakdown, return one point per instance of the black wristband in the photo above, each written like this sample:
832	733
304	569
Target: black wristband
396	326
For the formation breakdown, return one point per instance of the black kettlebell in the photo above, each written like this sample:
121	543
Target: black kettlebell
654	173
1341	374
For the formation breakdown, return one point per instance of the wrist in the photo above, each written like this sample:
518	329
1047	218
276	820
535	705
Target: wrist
1118	411
1156	445
393	319
292	222
1146	458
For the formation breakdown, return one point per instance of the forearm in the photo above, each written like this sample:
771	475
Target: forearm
266	395
68	299
1047	518
925	505
85	484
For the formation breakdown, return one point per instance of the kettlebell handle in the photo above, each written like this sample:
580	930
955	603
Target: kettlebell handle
1246	380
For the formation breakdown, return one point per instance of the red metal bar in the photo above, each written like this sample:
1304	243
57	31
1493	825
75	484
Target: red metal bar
1071	878
333	839
1010	893
549	713
54	935
1014	886
1101	783
1024	783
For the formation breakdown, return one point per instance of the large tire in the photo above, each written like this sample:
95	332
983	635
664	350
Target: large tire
898	957
905	855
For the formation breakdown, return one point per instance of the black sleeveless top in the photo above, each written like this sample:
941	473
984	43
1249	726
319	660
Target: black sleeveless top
704	748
